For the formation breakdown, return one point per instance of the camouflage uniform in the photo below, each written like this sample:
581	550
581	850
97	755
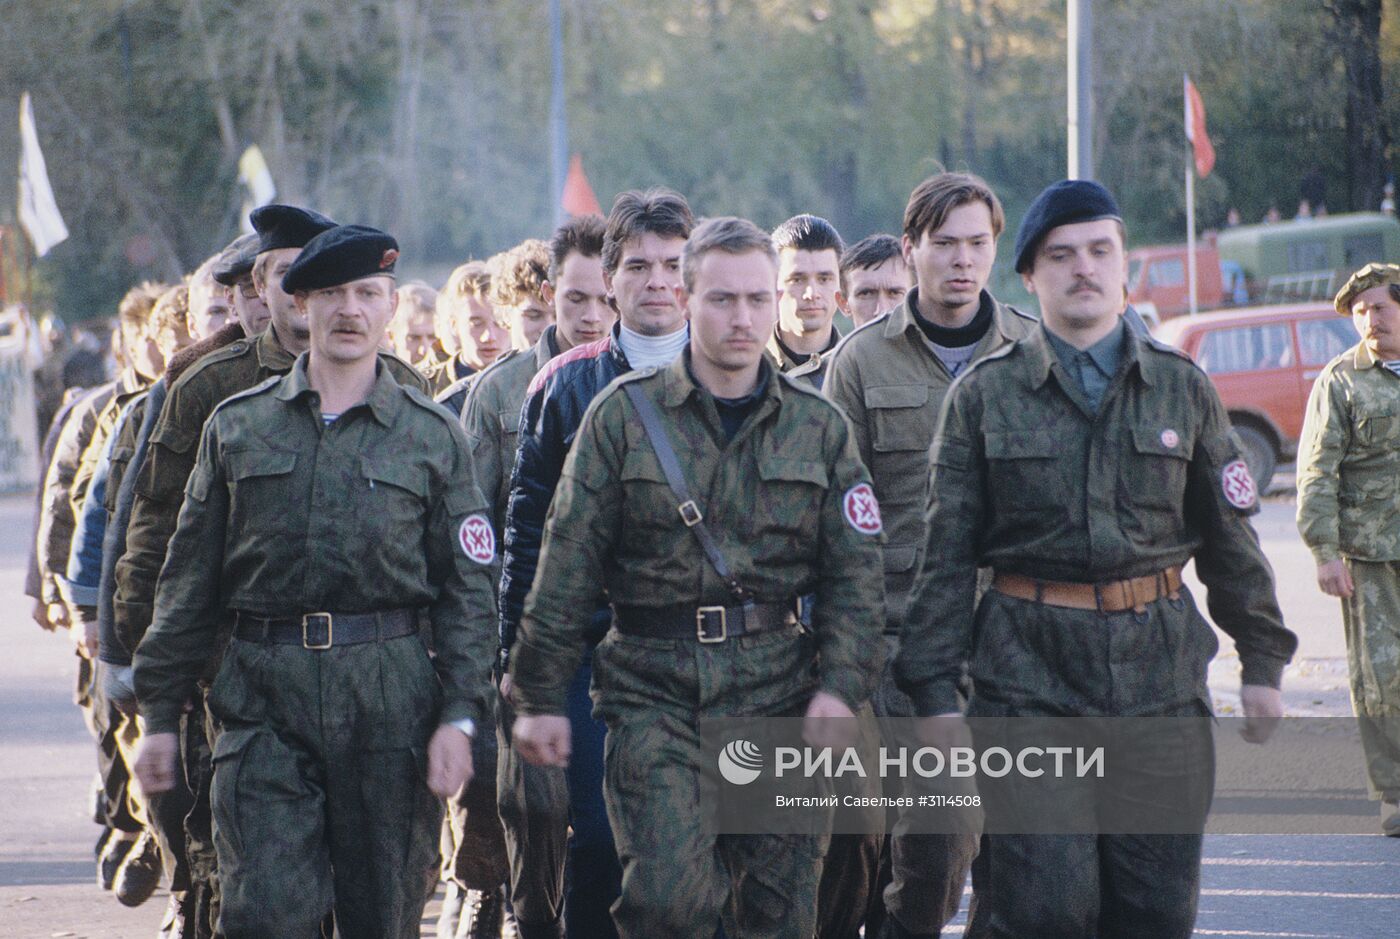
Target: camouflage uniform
1349	507
773	497
193	394
533	801
161	484
891	384
319	794
1029	479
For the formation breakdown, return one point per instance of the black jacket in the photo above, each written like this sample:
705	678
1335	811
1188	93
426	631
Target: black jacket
554	408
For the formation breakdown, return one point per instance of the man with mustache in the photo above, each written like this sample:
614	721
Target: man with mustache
1349	513
1085	464
329	511
809	285
891	379
705	619
533	801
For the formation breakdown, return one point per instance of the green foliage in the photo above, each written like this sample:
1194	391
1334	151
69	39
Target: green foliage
430	117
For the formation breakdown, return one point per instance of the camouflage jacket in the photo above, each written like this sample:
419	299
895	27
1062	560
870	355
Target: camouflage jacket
160	483
780	499
444	373
284	516
56	520
1027	479
890	383
1349	461
130	386
813	369
491	418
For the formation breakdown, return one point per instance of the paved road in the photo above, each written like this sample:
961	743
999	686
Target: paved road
1290	887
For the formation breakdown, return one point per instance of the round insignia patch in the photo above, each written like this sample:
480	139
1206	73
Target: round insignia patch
1170	438
1238	485
862	510
477	538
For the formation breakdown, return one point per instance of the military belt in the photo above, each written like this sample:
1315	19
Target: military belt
1111	597
324	630
705	624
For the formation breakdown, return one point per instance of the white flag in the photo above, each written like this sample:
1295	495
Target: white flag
254	174
38	212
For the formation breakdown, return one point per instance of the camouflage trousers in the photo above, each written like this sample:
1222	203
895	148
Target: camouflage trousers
680	878
1371	617
319	792
533	802
927	870
851	869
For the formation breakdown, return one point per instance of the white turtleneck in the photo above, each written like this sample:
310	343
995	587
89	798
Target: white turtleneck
648	351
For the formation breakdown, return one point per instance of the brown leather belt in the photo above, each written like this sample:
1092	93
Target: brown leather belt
324	630
1112	597
706	624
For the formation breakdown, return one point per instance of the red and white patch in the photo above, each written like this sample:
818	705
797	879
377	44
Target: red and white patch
477	538
1170	438
863	510
1238	485
387	259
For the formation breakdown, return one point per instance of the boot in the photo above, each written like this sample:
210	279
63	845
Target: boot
139	874
114	851
891	928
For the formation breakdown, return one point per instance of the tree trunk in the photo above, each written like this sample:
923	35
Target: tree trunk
1358	25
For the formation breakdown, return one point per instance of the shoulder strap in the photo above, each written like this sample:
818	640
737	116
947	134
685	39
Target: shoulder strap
690	512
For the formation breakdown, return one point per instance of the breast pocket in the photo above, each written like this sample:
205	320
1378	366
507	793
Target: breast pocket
397	501
792	498
649	509
1380	430
262	492
1153	473
901	429
1023	470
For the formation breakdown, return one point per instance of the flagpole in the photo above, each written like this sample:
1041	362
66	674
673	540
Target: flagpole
1190	200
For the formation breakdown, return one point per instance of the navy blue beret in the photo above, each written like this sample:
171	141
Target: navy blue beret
1064	203
286	226
340	255
236	260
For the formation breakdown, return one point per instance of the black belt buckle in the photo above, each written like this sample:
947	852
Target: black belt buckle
313	626
706	618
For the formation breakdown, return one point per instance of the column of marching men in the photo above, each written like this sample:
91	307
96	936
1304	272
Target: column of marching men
379	589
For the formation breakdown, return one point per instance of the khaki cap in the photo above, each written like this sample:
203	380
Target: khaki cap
1372	275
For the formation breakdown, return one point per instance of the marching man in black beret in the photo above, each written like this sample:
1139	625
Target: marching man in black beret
326	510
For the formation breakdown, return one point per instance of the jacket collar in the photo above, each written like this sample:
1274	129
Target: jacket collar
272	355
1043	359
680	387
383	400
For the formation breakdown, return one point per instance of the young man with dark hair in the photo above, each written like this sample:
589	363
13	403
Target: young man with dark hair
685	644
642	246
890	379
533	802
874	278
809	284
1085	464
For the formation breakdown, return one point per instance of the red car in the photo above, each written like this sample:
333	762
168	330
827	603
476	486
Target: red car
1263	361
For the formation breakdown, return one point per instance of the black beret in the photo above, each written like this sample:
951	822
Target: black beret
1064	203
340	255
286	226
236	260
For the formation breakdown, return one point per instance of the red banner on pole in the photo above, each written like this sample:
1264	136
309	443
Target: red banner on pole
1196	131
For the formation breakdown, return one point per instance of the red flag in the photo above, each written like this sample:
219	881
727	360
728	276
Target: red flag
1196	131
578	197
